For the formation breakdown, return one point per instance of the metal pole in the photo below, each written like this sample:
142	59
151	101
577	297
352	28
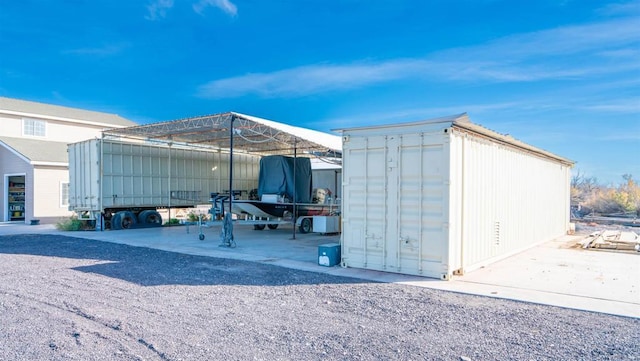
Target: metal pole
230	163
295	210
169	179
227	228
226	234
101	182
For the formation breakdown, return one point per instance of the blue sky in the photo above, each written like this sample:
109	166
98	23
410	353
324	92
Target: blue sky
562	75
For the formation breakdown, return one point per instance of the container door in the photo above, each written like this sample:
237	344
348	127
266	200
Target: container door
84	176
392	203
418	231
364	206
395	195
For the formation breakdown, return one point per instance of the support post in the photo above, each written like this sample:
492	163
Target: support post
169	179
226	235
230	163
295	189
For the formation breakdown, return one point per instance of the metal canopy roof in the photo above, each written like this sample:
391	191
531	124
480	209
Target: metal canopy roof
250	134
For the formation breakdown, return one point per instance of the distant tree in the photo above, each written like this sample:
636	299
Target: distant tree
624	198
628	194
583	187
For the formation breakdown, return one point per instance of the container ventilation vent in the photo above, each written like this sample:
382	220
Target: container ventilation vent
496	233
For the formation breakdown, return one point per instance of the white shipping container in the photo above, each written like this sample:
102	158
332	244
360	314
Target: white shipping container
106	175
445	196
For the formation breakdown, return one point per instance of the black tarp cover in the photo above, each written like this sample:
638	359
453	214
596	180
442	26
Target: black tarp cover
276	177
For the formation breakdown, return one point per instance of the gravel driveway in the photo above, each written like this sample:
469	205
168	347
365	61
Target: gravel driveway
65	298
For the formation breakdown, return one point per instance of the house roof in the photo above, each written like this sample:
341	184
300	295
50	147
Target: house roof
250	134
461	122
56	112
37	152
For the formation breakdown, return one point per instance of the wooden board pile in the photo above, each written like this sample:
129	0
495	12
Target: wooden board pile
612	240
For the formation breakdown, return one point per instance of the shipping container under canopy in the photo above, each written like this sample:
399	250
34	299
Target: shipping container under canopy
238	132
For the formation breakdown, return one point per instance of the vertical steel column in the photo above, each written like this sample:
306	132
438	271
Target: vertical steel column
366	198
169	180
295	206
230	164
219	172
398	155
384	202
463	200
420	203
101	182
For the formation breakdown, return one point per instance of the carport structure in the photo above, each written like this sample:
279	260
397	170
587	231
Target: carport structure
233	131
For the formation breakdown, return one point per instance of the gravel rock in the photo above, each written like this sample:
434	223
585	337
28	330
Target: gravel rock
65	298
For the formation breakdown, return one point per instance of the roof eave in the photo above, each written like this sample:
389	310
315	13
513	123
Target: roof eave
15	152
61	119
478	129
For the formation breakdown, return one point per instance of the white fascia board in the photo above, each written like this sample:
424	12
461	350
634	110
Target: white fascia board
54	164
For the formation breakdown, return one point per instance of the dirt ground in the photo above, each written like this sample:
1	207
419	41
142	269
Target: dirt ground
588	227
65	298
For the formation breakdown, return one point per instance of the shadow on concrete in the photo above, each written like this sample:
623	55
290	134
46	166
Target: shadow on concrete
151	267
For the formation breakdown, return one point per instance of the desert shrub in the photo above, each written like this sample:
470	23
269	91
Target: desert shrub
172	222
71	224
193	217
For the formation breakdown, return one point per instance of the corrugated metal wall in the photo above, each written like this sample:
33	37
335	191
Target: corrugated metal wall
84	176
395	203
432	200
508	200
141	175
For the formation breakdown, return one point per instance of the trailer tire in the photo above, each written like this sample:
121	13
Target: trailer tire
305	225
150	217
123	220
116	221
258	227
272	226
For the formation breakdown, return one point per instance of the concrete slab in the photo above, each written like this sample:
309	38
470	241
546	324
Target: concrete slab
555	273
560	274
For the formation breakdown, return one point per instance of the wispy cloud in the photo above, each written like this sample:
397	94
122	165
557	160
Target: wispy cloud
527	109
621	8
311	79
561	41
106	50
631	105
158	9
561	53
224	5
623	137
417	113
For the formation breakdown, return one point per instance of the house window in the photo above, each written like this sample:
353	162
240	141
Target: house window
34	127
64	194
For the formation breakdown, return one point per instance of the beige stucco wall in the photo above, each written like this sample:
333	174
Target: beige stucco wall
46	194
11	126
56	131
